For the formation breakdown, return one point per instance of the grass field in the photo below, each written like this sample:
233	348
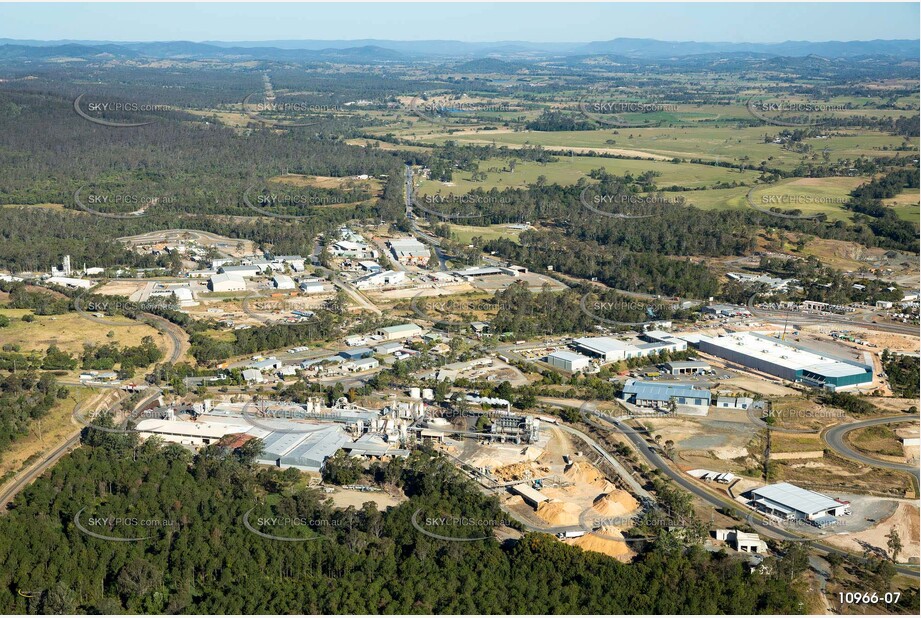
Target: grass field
907	205
709	143
465	233
568	171
810	195
69	332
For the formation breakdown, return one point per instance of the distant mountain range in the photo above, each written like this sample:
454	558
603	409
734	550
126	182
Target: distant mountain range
374	50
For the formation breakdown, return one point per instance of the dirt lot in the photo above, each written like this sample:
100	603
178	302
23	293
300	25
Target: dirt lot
904	520
344	498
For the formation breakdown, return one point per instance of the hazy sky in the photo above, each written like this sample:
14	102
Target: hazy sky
750	22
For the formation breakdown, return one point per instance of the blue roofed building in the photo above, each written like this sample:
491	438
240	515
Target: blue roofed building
659	395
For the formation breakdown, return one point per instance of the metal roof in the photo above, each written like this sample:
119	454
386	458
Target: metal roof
314	448
568	356
603	345
797	498
663	391
686	364
784	354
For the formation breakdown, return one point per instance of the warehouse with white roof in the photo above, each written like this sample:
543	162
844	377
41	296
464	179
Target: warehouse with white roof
786	360
790	502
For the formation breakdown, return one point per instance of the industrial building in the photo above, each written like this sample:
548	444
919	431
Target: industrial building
734	403
248	270
189	433
312	287
725	311
409	251
400	331
790	502
677	368
747	542
787	361
386	277
282	282
356	353
659	394
226	283
609	349
568	361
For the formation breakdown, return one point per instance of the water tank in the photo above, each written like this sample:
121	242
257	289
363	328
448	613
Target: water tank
415	393
428	394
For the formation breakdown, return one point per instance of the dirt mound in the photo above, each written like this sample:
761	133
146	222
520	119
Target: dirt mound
520	471
607	546
584	473
615	504
559	513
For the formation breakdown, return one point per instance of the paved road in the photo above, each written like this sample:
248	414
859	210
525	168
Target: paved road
36	470
800	318
834	437
175	334
657	461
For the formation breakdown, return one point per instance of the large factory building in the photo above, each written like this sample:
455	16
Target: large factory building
787	361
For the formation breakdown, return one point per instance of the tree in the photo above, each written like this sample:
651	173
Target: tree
894	543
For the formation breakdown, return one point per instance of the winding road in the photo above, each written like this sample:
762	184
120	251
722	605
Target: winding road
834	437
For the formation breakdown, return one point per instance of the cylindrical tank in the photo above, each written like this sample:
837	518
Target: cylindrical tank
415	393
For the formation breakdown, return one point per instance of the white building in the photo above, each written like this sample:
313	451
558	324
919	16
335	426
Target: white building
312	287
226	283
187	432
568	361
283	282
790	502
400	331
734	403
247	270
409	251
71	282
387	277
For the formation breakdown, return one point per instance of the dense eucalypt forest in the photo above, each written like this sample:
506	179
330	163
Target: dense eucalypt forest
200	557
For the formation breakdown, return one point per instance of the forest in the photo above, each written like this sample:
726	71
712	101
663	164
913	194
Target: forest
200	558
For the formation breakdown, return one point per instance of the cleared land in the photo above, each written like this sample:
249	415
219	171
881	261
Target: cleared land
70	331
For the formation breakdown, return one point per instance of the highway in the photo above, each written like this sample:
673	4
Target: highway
834	437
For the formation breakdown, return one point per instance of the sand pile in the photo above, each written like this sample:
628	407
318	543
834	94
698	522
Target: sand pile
520	471
615	504
607	546
583	473
485	461
559	513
